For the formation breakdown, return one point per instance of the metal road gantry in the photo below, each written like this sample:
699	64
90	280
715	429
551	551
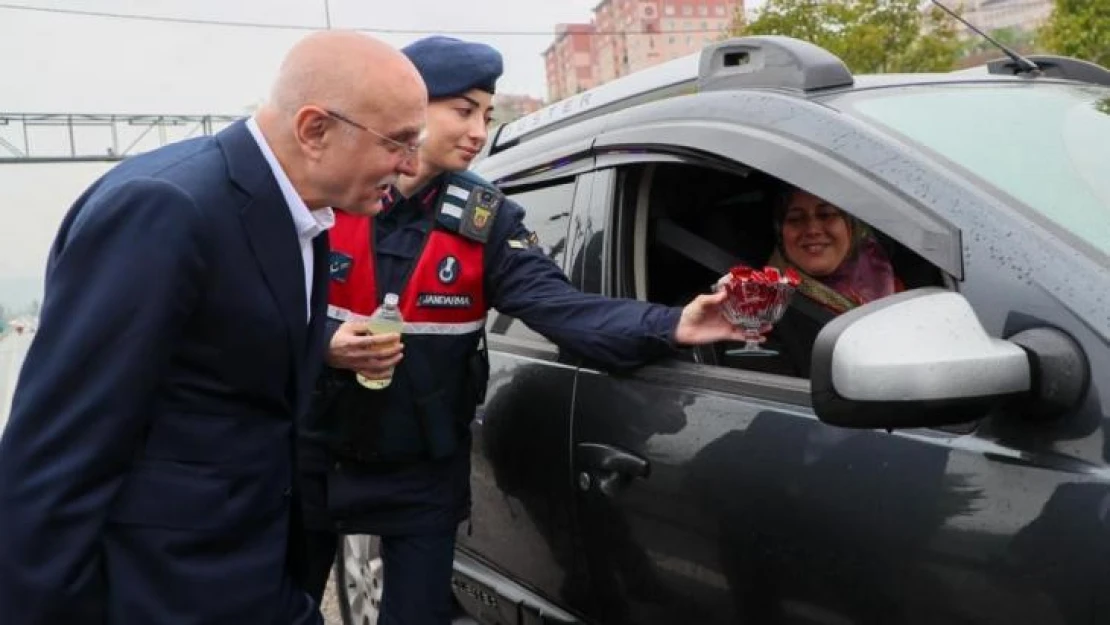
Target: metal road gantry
69	137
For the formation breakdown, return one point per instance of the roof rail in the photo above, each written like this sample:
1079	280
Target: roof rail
771	62
1055	67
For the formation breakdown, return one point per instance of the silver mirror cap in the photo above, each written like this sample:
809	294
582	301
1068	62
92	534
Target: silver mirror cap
925	348
916	359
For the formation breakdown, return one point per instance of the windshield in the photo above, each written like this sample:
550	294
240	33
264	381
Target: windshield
1048	145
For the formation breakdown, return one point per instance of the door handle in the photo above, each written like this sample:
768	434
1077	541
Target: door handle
608	467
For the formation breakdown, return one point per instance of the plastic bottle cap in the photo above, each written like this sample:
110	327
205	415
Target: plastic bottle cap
391	299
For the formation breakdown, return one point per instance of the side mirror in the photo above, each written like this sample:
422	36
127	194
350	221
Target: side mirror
915	359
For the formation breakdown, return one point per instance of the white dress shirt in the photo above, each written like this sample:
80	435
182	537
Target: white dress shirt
309	224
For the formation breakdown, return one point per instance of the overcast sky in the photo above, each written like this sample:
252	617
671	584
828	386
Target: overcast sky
64	62
53	62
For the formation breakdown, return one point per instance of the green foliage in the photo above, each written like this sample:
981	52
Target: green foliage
1020	40
871	36
1079	28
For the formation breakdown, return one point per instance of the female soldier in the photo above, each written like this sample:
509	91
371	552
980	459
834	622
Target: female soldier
395	462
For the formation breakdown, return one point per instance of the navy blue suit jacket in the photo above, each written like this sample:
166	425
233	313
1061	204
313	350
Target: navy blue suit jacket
146	471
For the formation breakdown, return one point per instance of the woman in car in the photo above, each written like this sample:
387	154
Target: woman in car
842	266
841	263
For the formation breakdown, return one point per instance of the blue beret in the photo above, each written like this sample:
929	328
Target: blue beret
451	66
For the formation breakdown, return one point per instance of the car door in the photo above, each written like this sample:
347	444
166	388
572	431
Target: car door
520	522
714	495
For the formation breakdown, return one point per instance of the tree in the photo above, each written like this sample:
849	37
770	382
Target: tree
1079	28
870	36
1015	38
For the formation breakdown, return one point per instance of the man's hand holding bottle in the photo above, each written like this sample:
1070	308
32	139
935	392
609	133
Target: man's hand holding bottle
373	356
371	348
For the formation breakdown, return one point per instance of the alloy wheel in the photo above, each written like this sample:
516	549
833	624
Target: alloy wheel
358	580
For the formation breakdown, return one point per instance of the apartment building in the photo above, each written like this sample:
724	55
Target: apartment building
510	106
569	61
629	35
990	15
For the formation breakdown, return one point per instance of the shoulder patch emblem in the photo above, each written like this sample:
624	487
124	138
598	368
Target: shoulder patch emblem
480	218
481	210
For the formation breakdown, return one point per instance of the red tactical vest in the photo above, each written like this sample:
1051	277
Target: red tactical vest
443	295
426	410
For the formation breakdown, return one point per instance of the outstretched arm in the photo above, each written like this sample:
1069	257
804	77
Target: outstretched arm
522	282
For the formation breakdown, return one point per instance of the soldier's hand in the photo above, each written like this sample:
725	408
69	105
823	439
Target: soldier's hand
702	322
373	355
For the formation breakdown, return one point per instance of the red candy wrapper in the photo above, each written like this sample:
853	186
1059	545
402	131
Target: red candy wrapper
757	293
756	300
792	277
768	276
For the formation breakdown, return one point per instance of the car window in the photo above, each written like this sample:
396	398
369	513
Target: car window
700	222
547	214
1045	145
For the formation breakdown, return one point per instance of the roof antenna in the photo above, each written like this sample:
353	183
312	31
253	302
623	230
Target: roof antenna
1024	65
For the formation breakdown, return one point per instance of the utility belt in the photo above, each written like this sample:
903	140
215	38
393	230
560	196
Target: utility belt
424	414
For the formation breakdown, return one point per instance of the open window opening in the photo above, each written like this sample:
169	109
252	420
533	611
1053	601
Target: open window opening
683	226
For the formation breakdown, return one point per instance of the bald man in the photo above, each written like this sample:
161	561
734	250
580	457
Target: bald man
146	472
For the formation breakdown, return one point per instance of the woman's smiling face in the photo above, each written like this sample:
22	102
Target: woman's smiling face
816	236
457	130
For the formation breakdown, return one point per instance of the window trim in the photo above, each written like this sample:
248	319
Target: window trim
547	172
595	211
529	348
641	220
581	228
736	383
923	231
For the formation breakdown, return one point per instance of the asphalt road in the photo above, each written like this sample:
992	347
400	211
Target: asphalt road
330	606
13	347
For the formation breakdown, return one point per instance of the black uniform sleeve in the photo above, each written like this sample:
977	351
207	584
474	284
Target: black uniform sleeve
524	283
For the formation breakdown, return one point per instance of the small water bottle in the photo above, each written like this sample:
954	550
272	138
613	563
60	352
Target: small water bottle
385	320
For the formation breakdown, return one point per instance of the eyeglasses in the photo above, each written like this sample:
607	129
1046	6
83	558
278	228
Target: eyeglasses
392	145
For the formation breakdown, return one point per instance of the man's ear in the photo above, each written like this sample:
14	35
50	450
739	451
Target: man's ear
313	129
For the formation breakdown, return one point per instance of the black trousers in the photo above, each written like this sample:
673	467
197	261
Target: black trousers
416	570
320	550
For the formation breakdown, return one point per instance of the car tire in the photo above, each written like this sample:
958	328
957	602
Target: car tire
358	579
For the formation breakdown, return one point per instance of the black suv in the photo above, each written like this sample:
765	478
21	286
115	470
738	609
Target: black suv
947	459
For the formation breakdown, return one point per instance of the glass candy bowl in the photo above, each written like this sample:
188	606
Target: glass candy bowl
756	300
